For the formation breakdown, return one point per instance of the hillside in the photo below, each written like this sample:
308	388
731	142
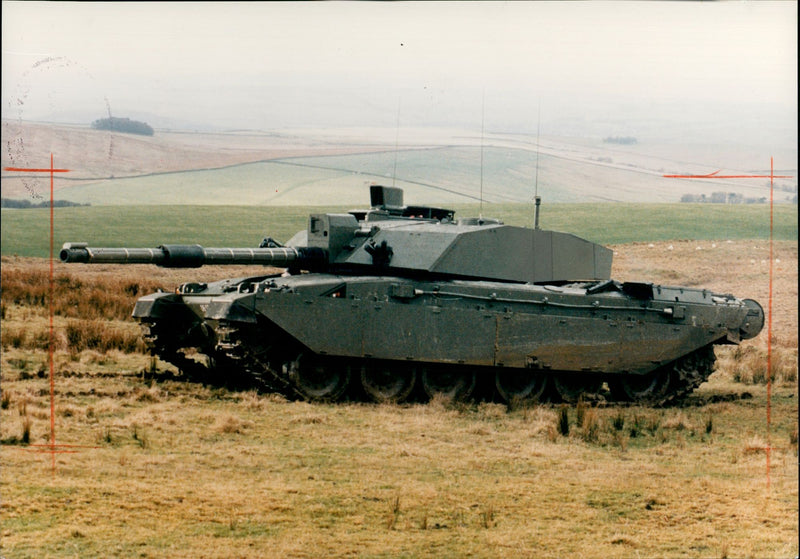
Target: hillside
331	167
93	155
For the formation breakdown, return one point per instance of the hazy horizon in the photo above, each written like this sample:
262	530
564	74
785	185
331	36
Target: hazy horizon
693	72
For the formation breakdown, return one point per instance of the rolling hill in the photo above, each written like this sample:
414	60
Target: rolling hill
333	167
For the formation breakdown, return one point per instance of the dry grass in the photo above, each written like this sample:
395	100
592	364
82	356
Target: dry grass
748	364
92	305
95	291
231	424
74	295
182	470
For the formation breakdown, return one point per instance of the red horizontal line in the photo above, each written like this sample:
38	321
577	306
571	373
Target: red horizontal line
48	451
53	445
24	170
713	176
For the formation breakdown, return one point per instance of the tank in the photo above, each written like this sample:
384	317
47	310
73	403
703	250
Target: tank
399	300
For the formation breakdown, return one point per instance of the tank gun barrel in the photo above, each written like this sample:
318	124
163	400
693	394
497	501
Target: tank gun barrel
194	256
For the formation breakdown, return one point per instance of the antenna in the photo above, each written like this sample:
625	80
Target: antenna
538	127
396	142
483	119
536	198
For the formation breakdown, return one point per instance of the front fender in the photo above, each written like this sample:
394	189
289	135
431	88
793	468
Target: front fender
160	305
237	308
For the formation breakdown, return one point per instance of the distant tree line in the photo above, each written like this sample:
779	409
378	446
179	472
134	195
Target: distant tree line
117	124
620	140
26	204
722	198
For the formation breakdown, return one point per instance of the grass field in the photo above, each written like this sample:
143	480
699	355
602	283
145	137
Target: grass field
174	470
26	232
171	469
331	166
441	175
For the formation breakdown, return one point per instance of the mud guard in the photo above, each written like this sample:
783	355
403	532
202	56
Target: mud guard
160	305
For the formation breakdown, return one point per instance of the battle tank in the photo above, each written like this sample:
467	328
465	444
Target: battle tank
384	300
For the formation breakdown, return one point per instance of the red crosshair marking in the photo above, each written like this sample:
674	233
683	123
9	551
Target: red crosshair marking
51	448
714	175
771	178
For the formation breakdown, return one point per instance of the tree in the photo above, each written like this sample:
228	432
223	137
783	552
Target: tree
127	125
626	140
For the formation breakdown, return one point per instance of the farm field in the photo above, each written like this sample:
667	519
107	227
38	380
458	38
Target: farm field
168	468
93	155
332	167
438	175
26	232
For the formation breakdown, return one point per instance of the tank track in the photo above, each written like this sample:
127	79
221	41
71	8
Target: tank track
239	356
163	343
688	372
255	360
235	357
220	366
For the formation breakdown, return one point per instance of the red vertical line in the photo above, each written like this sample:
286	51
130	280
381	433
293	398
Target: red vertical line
52	333
769	320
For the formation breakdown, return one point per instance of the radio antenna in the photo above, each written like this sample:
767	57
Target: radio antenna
538	127
537	200
483	119
396	142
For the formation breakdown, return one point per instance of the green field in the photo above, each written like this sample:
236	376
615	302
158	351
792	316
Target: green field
440	175
26	232
435	176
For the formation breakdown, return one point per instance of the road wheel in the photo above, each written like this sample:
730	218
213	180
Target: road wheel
317	380
570	387
644	389
519	385
452	383
386	384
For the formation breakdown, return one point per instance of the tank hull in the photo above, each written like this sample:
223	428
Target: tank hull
593	331
386	300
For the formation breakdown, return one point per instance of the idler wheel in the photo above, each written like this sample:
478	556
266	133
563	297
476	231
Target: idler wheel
570	387
317	380
754	321
646	389
520	385
454	384
385	384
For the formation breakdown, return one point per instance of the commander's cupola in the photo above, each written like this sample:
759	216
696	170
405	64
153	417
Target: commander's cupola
386	202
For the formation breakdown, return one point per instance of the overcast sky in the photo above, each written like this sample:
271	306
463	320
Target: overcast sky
732	66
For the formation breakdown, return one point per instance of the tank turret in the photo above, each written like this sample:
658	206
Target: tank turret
398	297
392	238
